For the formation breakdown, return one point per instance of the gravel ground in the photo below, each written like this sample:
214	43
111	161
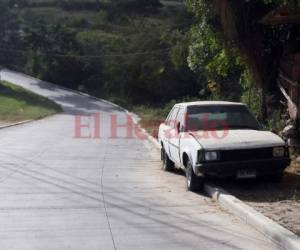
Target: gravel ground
278	201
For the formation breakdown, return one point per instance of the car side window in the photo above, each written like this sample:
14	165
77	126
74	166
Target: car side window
173	116
181	117
167	121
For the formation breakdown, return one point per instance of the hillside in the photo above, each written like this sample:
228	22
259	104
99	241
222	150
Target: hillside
127	51
151	53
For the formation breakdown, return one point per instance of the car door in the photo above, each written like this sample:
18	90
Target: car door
166	128
174	140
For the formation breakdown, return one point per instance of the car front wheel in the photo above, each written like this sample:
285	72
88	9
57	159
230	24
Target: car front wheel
193	182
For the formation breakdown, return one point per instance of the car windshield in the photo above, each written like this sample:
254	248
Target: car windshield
220	117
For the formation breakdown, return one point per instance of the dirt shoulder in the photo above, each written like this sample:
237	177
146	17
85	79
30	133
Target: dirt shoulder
278	201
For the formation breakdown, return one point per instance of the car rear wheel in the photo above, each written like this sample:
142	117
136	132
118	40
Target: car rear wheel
168	165
193	182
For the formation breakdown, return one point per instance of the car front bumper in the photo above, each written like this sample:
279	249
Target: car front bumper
230	169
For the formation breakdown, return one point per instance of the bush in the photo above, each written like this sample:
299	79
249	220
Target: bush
138	5
79	5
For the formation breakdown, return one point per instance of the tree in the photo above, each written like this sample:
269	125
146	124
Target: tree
213	57
54	52
9	31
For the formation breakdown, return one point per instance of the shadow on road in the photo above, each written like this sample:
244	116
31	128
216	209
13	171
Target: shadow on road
263	190
74	103
180	172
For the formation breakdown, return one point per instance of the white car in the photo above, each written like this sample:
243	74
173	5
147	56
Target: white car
219	139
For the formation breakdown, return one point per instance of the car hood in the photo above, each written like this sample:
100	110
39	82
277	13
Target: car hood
238	139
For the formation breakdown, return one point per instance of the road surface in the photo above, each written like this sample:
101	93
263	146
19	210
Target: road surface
62	192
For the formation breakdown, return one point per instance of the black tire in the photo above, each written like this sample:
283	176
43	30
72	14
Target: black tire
193	182
168	165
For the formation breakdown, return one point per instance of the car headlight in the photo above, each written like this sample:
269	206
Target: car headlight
211	156
278	151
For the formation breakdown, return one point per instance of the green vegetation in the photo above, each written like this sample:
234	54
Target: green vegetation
143	54
238	57
128	51
18	104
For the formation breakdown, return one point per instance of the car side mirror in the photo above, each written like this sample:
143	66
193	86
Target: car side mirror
178	127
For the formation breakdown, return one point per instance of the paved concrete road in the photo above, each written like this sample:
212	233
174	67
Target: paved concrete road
58	192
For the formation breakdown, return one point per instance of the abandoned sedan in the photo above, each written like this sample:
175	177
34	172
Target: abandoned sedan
219	139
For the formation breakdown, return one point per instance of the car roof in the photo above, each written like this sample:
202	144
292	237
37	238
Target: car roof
208	103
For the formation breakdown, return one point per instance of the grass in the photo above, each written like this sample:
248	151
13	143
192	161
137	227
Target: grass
18	104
